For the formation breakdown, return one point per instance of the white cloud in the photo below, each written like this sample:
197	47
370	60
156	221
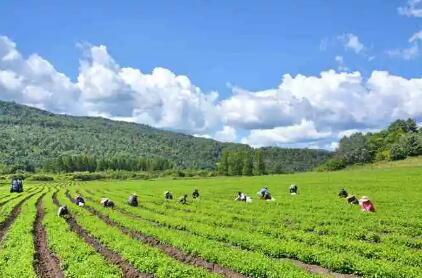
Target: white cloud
351	41
34	81
161	99
416	37
411	52
413	8
305	131
340	63
264	109
227	134
302	111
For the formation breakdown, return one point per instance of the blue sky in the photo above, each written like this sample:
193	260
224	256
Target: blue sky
235	48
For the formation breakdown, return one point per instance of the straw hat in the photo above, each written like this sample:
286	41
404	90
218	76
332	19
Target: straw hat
134	194
364	199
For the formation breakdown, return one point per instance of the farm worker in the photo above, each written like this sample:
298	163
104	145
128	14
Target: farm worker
183	199
107	202
343	193
263	191
79	200
366	204
265	194
293	189
352	200
168	195
133	200
241	197
62	211
195	194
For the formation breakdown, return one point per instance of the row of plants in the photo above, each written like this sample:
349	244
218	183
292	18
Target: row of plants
252	264
17	248
334	224
362	243
145	258
306	249
77	259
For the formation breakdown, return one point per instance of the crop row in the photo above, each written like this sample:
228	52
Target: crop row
249	263
339	261
77	259
17	248
386	249
342	221
142	256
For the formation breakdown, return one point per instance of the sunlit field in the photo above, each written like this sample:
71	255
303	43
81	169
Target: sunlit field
312	234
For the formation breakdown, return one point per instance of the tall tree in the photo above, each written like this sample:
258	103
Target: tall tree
259	163
247	164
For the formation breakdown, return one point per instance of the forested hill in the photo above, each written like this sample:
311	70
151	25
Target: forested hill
31	137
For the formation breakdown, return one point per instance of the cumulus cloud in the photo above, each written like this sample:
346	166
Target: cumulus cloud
34	81
413	8
227	134
351	42
161	98
305	131
302	111
335	103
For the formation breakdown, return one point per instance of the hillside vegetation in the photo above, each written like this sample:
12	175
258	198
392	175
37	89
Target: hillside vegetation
31	139
402	139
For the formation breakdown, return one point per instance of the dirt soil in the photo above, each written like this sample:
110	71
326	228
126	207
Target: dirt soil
128	270
4	226
168	249
46	263
321	270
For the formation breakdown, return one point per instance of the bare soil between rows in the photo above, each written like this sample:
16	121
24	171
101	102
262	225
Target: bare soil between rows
5	225
167	249
128	270
46	264
312	268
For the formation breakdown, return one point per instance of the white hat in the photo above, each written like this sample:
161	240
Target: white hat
364	199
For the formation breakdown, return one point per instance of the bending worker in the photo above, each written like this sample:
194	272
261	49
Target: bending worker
107	203
133	200
293	189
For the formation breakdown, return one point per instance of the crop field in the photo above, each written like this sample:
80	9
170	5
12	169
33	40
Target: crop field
313	234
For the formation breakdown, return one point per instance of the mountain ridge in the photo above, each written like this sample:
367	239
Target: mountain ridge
30	136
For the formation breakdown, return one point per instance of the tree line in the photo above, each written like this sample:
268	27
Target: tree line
401	139
81	163
238	163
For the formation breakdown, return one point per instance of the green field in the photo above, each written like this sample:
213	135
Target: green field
309	235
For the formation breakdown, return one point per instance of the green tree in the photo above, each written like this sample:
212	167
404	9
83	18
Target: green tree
235	164
247	164
223	165
397	152
259	163
412	145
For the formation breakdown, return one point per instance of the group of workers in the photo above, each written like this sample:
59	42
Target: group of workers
264	194
365	204
183	199
17	185
132	201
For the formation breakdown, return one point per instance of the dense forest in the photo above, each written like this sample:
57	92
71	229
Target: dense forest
401	139
268	160
32	139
